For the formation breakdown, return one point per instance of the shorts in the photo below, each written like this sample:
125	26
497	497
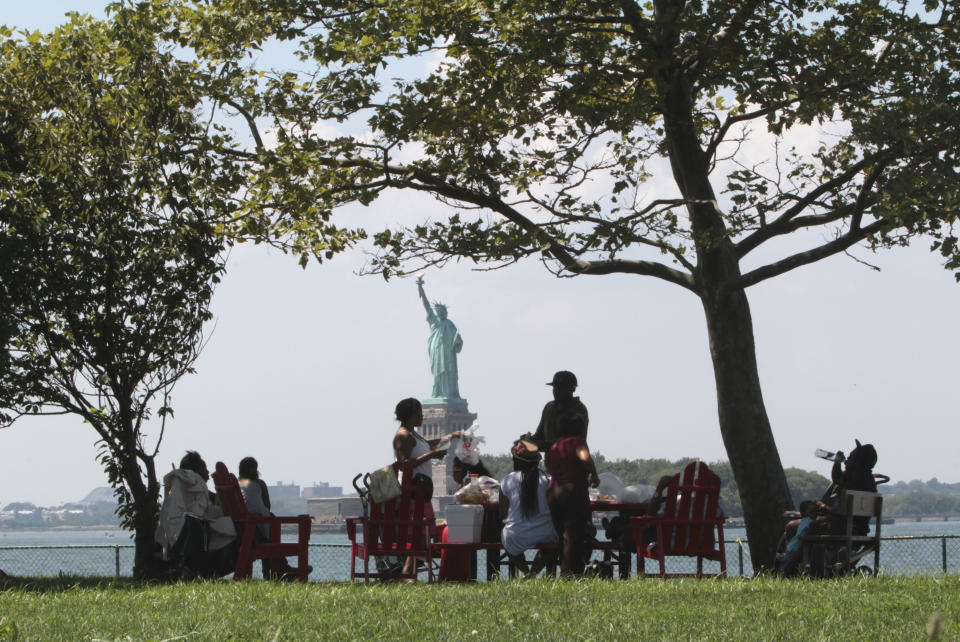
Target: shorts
427	482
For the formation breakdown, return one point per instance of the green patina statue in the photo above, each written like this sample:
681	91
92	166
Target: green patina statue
443	345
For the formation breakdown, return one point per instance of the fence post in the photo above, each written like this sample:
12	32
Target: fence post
943	551
116	550
740	557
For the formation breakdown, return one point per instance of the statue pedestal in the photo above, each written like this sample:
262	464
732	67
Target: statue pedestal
441	417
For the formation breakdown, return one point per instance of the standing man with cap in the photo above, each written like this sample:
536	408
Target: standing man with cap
564	403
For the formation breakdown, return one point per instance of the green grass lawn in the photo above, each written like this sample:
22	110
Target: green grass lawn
886	608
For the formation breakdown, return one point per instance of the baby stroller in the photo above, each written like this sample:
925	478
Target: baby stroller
383	564
831	537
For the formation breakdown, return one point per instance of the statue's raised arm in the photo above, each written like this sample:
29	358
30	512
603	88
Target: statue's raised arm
431	317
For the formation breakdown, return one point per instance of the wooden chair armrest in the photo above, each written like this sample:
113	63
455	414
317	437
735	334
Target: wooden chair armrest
839	538
352	523
291	519
274	519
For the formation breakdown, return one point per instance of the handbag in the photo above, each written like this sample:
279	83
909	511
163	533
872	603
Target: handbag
384	486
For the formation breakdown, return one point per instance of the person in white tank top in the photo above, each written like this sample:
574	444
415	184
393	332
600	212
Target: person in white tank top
409	445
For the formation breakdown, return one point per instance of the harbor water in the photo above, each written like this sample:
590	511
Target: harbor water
914	547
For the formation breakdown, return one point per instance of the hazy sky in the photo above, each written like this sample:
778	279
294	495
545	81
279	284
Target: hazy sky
303	367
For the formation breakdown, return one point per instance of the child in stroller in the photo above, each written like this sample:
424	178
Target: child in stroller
789	559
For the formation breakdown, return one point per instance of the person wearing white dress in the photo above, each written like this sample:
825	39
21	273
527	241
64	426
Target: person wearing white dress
523	507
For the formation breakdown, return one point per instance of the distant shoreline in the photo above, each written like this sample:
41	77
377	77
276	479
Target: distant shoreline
37	529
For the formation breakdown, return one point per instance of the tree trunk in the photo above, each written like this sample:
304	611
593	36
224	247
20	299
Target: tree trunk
145	547
744	424
145	515
743	418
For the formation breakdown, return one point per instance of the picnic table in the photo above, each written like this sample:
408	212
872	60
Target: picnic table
496	556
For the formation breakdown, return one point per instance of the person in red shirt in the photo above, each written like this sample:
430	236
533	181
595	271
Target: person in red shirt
573	471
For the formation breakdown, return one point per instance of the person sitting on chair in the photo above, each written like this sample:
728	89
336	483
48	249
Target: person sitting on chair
257	498
804	526
461	471
523	508
856	474
655	506
197	539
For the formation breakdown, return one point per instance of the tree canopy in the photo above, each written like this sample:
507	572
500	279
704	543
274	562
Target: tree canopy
553	115
790	132
111	248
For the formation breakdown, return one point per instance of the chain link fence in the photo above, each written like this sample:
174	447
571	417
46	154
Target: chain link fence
907	555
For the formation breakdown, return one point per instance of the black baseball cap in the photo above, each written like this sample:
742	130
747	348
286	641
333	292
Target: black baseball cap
564	378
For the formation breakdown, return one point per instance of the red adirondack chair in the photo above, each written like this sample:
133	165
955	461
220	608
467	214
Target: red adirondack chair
231	498
690	524
398	528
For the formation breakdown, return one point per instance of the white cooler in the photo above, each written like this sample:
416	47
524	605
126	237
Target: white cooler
464	523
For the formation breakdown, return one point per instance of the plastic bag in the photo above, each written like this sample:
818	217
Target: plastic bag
638	493
480	490
610	488
467	448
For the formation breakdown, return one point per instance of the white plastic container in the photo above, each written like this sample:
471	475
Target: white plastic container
464	523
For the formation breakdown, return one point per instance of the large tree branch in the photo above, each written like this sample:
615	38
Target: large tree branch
640	25
251	122
824	218
782	224
620	223
627	266
864	198
782	266
721	132
423	181
631	17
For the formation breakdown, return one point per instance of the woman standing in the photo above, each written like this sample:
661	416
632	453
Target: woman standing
409	445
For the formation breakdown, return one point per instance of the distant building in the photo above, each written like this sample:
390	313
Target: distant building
333	510
281	490
321	489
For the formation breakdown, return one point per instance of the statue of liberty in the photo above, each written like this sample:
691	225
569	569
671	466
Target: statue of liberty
443	345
